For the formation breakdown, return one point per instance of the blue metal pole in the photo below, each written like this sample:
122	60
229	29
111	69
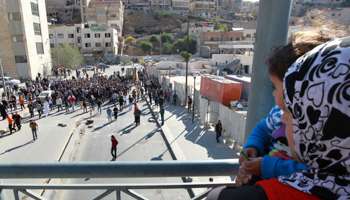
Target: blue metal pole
228	167
272	30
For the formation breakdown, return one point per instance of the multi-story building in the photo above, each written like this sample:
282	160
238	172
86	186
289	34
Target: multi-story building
24	38
106	14
182	6
161	4
204	7
95	44
195	31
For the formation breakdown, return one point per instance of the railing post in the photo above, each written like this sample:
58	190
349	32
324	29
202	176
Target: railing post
2	192
118	194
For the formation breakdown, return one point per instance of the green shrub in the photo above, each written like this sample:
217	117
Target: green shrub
167	48
166	14
129	40
146	46
153	38
157	14
166	37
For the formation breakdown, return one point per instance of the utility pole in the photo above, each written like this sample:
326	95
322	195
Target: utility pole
56	45
188	31
272	30
3	80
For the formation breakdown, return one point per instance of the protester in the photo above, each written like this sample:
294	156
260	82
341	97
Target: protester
114	147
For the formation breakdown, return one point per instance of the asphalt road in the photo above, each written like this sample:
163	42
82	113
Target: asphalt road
141	143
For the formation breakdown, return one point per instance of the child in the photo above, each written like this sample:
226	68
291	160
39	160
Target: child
278	162
317	117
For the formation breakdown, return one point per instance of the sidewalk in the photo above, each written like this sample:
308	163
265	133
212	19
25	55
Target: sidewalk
193	142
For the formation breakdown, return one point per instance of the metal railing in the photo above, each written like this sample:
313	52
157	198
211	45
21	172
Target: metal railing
130	169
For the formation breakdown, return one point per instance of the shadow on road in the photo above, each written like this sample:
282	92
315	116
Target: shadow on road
17	147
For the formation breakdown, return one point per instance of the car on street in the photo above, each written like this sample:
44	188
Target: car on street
43	94
89	68
101	74
9	80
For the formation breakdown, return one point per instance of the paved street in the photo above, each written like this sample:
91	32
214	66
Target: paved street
142	143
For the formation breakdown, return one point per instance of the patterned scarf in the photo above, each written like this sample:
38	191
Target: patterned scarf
317	92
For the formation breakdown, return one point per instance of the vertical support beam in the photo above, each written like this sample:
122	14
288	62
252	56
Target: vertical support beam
119	197
2	192
272	30
188	31
15	194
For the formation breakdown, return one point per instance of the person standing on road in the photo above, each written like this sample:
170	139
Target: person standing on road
99	105
161	101
46	108
137	114
31	109
10	120
114	147
34	127
17	119
162	114
3	111
109	114
218	129
38	108
21	102
175	98
130	102
189	102
115	111
121	101
58	103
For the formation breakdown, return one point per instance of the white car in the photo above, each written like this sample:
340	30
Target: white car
9	80
89	68
43	94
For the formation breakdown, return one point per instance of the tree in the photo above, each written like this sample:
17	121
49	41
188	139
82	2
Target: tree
157	14
70	56
166	37
183	55
216	24
146	46
223	27
179	45
153	38
166	14
167	48
129	40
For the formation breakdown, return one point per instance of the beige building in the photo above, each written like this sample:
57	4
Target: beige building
204	7
24	38
103	13
95	44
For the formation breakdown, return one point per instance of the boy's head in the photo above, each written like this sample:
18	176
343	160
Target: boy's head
284	56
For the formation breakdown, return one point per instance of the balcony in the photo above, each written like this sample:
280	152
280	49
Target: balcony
147	169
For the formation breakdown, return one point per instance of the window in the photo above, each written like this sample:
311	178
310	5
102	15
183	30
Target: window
79	39
78	29
98	44
107	35
35	10
160	1
93	25
114	25
248	35
14	16
21	59
333	14
97	35
17	38
166	2
92	16
101	14
113	15
71	35
60	36
87	35
87	44
339	14
52	45
108	44
154	2
37	29
39	48
50	36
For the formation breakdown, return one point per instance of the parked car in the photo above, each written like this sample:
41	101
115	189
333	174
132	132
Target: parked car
101	74
89	68
9	80
43	94
114	61
102	65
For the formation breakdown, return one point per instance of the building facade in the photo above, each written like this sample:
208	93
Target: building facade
105	14
182	6
24	38
96	44
204	7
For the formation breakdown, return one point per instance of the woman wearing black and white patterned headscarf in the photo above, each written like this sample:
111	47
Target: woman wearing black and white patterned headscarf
317	95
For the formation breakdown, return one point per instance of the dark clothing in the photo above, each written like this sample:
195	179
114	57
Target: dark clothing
161	101
114	148
174	98
189	104
246	192
115	111
218	129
